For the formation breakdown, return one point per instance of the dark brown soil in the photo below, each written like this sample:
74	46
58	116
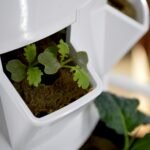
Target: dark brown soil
48	98
124	6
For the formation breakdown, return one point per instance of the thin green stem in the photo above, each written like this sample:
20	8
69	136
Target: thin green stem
126	145
126	137
67	66
133	139
131	142
66	62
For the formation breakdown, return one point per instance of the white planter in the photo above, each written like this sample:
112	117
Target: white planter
122	32
107	33
28	132
24	23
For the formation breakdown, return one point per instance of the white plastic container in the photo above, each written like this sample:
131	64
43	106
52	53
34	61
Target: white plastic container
121	33
110	33
26	22
28	132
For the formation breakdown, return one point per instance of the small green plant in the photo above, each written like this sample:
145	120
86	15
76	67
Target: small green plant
20	71
121	114
52	58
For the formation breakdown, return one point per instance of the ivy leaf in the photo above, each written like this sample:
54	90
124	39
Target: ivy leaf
63	49
34	76
49	61
143	143
81	58
81	77
17	70
120	113
30	53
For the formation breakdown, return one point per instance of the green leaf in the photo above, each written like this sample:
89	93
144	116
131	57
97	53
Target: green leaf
120	113
34	76
142	144
52	49
30	53
81	77
17	70
49	61
81	58
63	49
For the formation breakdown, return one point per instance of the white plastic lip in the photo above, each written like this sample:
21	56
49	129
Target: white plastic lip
59	114
146	14
145	11
39	36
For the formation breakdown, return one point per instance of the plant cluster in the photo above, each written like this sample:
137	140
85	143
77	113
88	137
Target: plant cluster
52	59
121	114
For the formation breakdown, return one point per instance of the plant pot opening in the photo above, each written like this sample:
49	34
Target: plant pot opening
55	90
124	6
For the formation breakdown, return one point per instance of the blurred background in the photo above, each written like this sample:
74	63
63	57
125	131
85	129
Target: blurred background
130	77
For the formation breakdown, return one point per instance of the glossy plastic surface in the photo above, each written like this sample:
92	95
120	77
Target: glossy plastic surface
26	21
71	137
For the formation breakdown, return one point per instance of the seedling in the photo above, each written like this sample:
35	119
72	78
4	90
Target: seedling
52	58
121	114
20	71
